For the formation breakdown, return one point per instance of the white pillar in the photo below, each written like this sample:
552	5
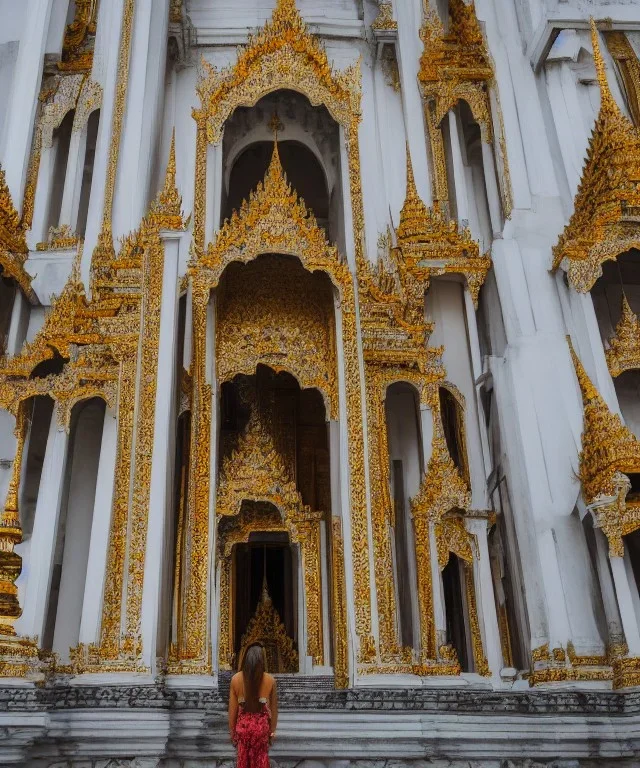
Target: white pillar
491	183
73	178
214	191
459	176
18	324
439	609
83	465
625	603
162	466
108	40
485	600
39	227
558	618
45	531
100	530
21	108
142	114
607	589
342	457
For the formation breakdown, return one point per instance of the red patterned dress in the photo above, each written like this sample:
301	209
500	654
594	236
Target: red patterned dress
251	736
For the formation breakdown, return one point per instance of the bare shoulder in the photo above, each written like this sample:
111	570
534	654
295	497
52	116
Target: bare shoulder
236	681
270	680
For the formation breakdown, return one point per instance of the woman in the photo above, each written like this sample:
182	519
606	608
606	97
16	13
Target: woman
253	710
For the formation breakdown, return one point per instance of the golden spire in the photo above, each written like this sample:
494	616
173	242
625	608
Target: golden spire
11	233
604	223
414	216
607	102
624	347
166	209
608	446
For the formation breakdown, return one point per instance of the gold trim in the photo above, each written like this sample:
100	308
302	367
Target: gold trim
624	347
606	218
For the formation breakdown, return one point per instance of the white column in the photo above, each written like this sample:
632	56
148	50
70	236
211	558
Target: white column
41	203
485	600
342	457
19	324
607	589
73	178
108	44
45	531
83	462
491	183
142	114
214	190
559	628
21	108
162	465
439	609
100	530
625	603
459	177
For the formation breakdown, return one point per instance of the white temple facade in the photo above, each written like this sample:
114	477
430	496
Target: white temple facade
319	326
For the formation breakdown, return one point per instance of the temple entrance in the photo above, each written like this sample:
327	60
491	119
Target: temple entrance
264	591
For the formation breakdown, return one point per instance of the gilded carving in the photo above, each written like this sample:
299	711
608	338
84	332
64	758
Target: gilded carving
455	65
605	220
609	453
624	347
77	47
432	244
274	219
629	67
266	626
384	21
166	209
13	245
11	533
265	314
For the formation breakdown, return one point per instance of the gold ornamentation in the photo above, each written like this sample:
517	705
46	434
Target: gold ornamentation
285	320
384	21
166	209
283	54
18	656
60	238
626	672
479	659
339	602
606	217
276	220
11	533
455	66
624	347
79	37
431	244
560	665
266	627
175	11
105	251
13	245
609	453
629	67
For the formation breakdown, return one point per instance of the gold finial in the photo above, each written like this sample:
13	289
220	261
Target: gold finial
601	70
414	216
589	392
166	209
624	346
608	446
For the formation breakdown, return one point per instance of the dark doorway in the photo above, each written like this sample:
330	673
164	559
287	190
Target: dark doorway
265	562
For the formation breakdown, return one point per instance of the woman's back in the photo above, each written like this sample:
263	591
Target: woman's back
253	710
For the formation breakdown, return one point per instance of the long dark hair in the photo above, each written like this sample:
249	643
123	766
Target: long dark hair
253	665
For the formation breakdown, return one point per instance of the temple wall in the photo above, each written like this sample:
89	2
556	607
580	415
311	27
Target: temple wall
445	192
